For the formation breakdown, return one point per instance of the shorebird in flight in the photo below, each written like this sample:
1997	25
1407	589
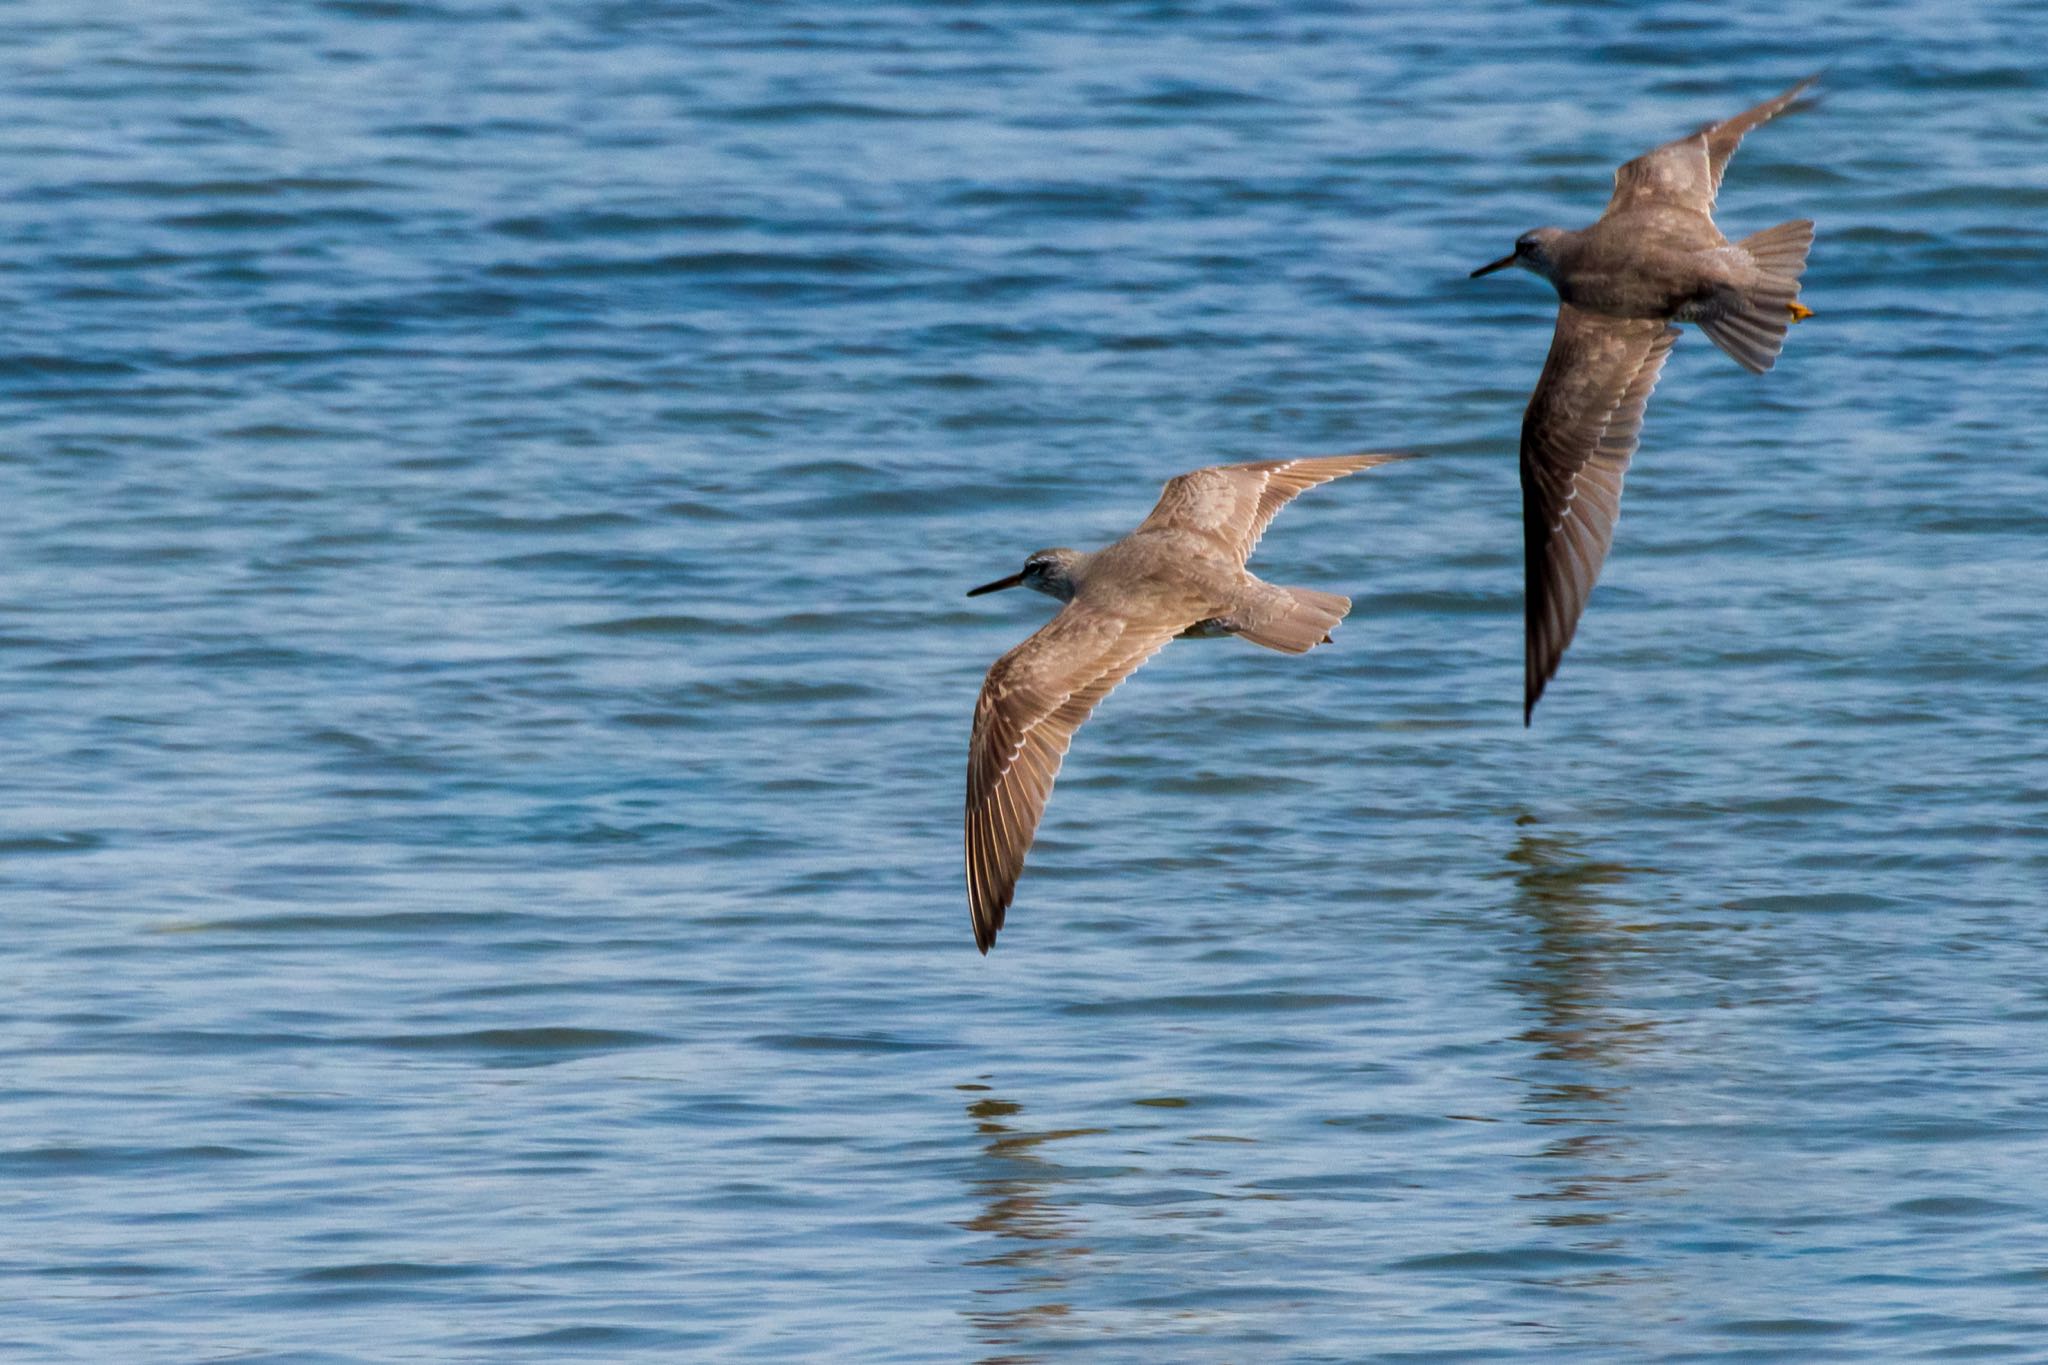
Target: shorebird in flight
1181	573
1654	258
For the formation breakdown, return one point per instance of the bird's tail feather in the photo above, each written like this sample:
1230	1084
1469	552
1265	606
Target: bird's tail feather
1750	324
1781	251
1291	620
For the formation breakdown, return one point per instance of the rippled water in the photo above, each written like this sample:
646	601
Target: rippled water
489	488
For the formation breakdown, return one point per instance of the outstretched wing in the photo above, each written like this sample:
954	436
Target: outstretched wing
1234	503
1687	172
1580	429
1034	699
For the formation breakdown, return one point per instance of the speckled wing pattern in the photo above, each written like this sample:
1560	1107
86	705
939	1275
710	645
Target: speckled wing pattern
1234	503
1578	434
1687	171
1034	699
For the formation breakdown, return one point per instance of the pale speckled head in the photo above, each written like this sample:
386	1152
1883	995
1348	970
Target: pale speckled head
1048	571
1532	252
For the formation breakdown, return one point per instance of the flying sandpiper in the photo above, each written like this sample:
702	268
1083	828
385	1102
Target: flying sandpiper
1654	258
1180	574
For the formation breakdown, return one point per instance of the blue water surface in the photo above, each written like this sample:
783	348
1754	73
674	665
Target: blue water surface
488	490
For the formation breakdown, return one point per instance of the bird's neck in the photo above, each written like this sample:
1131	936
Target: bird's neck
1559	252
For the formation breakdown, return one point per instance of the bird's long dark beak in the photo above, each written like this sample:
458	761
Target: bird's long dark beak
1012	581
1502	264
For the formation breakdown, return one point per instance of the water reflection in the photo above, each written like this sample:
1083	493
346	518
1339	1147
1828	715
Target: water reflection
1583	1035
1037	1246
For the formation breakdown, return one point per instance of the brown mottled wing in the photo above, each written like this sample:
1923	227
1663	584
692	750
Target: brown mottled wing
1687	172
1577	437
1035	697
1234	503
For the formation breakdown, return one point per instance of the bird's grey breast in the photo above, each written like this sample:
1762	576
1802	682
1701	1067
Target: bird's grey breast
1166	573
1649	262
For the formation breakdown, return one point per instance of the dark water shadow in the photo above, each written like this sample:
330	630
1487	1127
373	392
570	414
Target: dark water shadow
1034	1245
1586	1042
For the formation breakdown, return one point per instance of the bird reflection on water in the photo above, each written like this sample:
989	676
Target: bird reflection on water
1038	1235
1578	1077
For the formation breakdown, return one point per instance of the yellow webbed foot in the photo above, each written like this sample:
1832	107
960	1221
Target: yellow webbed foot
1799	311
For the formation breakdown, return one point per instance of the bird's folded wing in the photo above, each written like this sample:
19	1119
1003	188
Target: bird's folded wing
1034	699
1687	171
1234	503
1580	429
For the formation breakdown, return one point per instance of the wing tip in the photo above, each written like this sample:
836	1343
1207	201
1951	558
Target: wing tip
1373	459
1796	100
986	902
1782	101
1787	101
987	925
1351	462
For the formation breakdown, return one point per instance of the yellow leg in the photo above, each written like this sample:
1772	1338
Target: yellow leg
1799	311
